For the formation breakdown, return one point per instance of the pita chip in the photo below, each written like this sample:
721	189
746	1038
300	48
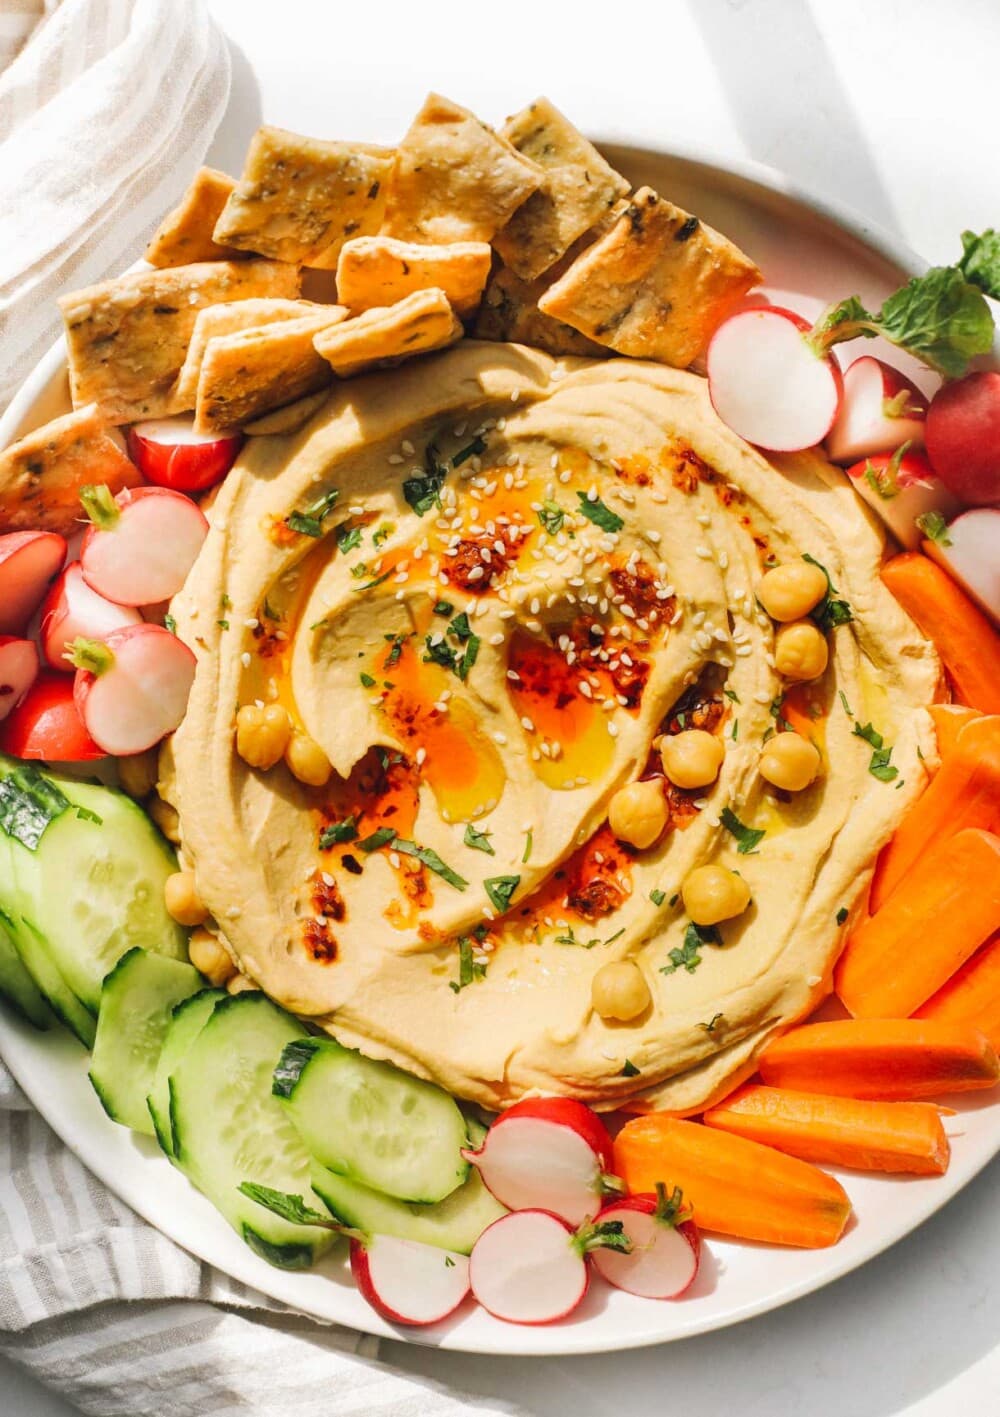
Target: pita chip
422	322
509	311
185	234
217	320
380	270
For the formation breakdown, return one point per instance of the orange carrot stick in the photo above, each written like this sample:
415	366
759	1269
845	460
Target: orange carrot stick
891	1060
736	1187
972	996
966	641
837	1131
949	720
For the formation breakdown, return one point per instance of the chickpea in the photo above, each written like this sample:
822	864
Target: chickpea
138	773
713	893
209	957
790	762
166	818
692	758
790	591
307	761
240	984
638	813
619	991
800	651
262	734
182	900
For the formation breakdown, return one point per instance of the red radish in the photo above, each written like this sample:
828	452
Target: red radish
28	561
46	725
141	544
969	550
665	1246
963	437
768	384
407	1282
902	488
72	610
881	409
169	453
18	671
132	688
549	1153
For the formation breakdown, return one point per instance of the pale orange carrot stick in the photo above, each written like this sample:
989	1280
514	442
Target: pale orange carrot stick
971	996
949	720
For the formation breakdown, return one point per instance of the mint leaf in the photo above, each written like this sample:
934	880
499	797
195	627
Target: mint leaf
934	527
595	511
348	537
290	1208
479	841
308	521
688	957
28	803
460	629
429	858
980	263
879	765
831	611
747	838
500	889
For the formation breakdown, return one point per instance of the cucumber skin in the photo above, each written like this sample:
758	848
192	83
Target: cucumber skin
294	1057
161	1121
16	984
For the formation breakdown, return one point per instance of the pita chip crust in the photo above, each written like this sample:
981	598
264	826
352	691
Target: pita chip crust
424	321
185	234
381	270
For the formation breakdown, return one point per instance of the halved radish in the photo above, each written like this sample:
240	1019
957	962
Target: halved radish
46	725
768	384
408	1282
900	489
18	671
169	453
72	610
880	410
141	544
665	1246
547	1153
528	1269
132	688
969	550
28	561
963	437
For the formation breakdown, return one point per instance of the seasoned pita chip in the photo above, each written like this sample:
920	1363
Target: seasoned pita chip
217	320
379	270
455	179
655	286
509	311
41	474
578	188
290	418
127	338
185	234
251	372
416	325
299	199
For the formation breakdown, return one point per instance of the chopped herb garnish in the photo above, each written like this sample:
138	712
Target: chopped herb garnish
224	602
423	491
222	624
429	858
747	838
460	629
381	837
397	649
529	839
438	652
612	938
595	511
348	537
732	696
449	1263
471	450
735	732
468	659
842	914
443	607
657	897
880	765
338	832
674	898
570	939
366	679
712	1024
479	841
360	570
500	889
551	516
370	585
269	612
847	708
170	624
84	814
688	956
469	969
629	1070
774	709
309	521
382	533
831	611
934	527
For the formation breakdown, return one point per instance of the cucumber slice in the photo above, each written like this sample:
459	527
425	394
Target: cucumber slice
137	1001
229	1128
186	1022
16	984
372	1122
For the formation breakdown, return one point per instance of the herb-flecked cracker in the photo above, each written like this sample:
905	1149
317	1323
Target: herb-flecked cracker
416	325
379	270
509	311
578	188
185	234
126	338
299	199
216	320
655	286
455	179
42	473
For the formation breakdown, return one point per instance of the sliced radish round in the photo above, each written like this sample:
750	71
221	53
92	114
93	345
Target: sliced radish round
169	453
72	610
900	488
28	561
132	688
46	724
18	671
880	410
969	550
407	1282
768	384
528	1268
549	1153
142	544
665	1247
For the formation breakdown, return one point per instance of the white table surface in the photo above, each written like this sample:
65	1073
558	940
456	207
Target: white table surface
888	107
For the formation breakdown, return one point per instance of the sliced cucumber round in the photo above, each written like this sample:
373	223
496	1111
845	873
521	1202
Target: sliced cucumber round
16	984
186	1022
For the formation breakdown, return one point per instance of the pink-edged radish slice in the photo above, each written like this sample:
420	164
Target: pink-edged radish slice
547	1153
45	724
969	550
18	671
768	384
131	689
169	453
528	1268
665	1246
71	611
28	561
963	437
141	544
900	489
880	411
408	1282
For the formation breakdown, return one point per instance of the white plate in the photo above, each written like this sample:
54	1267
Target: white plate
804	246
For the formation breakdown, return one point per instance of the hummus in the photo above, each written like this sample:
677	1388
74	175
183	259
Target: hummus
531	569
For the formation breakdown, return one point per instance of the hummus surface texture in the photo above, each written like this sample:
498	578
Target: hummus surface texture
532	569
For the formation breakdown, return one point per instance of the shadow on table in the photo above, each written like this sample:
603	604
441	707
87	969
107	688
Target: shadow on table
241	118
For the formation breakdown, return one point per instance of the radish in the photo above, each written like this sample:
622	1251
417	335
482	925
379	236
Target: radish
408	1282
132	688
969	550
768	384
963	437
46	725
28	561
141	544
169	453
902	488
18	671
547	1153
665	1246
72	610
880	410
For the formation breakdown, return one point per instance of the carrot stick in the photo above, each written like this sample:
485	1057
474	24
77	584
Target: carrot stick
943	911
949	720
891	1060
838	1131
964	793
972	996
966	641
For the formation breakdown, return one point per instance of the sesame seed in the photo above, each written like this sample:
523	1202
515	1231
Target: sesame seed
500	738
394	860
251	622
515	395
564	477
420	756
407	447
703	552
527	724
395	459
497	639
613	730
245	659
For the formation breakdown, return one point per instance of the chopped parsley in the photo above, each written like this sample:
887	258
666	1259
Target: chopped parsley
688	956
338	832
360	570
657	897
934	527
429	858
471	450
423	491
370	585
775	710
842	914
479	841
309	520
397	642
382	533
880	765
570	939
747	838
460	629
712	1024
732	696
595	511
529	839
674	898
366	679
348	537
222	624
735	731
629	1070
847	708
551	516
831	611
469	969
381	837
500	889
443	608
